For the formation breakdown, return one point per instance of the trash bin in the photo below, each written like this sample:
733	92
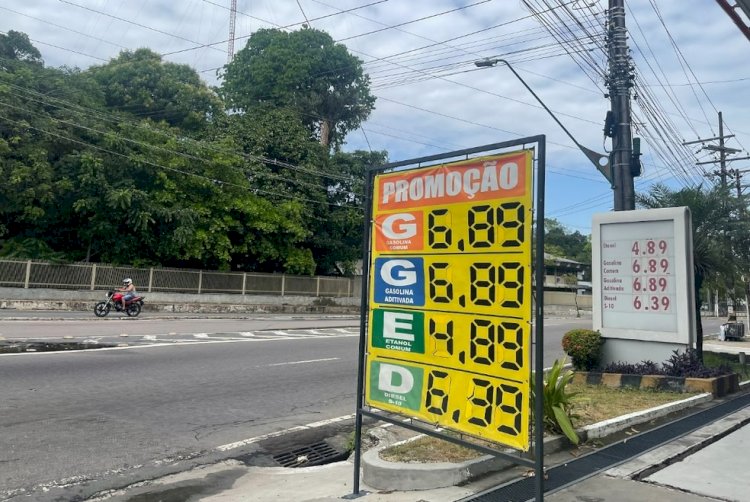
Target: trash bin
732	331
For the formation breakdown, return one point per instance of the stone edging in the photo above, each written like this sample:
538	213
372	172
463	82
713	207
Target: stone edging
384	475
718	386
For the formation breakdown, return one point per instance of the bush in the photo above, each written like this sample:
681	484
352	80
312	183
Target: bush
684	364
584	348
688	364
557	402
642	368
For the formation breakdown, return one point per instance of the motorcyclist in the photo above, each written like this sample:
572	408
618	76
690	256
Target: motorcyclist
128	291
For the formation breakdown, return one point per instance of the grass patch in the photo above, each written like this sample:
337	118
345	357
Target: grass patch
596	403
593	404
716	359
428	449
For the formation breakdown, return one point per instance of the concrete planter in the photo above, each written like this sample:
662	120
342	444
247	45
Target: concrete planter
718	386
385	475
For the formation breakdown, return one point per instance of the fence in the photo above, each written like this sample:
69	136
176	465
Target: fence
91	276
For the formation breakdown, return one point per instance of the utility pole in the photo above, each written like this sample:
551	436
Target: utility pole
738	182
723	173
618	125
722	153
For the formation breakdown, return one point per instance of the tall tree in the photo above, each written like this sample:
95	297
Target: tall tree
715	227
337	239
306	71
141	84
16	46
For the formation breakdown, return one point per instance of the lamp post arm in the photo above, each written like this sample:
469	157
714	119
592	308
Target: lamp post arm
601	162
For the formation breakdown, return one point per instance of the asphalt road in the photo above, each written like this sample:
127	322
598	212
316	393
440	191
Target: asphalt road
120	415
177	393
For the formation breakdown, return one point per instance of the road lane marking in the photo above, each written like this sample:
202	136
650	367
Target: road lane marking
177	343
305	362
249	441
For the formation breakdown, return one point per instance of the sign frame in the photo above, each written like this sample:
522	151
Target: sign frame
624	341
536	144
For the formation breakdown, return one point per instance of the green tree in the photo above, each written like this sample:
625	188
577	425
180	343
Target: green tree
715	227
560	242
134	162
337	239
305	71
141	84
30	146
16	47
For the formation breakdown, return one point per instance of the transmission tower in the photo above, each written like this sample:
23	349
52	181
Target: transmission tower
232	20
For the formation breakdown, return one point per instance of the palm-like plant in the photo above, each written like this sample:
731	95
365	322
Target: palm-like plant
719	224
557	401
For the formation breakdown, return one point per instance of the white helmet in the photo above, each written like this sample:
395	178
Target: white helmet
127	282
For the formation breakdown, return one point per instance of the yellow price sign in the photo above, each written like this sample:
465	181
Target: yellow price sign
488	407
485	345
487	227
492	284
450	295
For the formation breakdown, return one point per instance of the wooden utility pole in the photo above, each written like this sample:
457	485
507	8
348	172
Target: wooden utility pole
723	173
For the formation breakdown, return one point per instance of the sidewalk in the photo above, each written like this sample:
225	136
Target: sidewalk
709	463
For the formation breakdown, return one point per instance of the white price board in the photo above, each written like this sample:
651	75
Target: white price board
638	276
642	270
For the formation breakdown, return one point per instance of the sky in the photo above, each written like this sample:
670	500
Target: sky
690	64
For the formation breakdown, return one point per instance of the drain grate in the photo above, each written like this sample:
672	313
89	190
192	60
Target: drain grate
524	489
314	454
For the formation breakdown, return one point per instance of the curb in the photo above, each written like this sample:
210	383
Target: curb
718	386
384	475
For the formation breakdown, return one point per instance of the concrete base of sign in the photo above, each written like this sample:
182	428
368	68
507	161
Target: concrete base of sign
384	475
636	351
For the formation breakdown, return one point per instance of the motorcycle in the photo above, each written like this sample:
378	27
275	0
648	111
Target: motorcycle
114	300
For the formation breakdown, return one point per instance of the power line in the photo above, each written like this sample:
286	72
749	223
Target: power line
432	16
64	28
160	166
263	21
150	28
104	116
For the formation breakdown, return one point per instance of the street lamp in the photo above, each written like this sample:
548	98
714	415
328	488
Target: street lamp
601	162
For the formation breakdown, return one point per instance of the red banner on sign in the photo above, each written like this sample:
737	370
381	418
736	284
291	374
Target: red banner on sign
475	180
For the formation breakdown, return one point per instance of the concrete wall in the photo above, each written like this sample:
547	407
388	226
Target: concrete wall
555	302
54	299
569	299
